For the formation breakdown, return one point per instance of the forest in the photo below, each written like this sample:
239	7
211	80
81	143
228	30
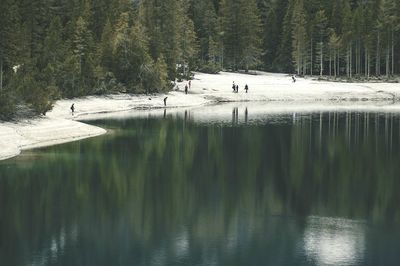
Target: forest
50	49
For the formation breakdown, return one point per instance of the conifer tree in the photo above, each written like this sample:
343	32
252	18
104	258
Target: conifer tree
207	29
321	24
105	49
83	49
188	44
389	27
250	34
347	36
284	56
163	21
299	36
242	28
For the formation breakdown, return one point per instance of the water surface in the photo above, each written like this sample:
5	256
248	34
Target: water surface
289	189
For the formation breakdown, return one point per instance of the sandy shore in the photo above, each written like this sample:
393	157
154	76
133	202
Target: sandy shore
268	94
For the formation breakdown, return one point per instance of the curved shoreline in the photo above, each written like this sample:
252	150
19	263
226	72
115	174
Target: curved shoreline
275	91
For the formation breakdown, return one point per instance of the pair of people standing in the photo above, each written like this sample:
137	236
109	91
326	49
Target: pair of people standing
235	88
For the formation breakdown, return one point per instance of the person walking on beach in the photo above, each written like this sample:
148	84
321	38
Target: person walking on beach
190	84
246	88
233	87
294	79
165	101
186	89
73	108
237	88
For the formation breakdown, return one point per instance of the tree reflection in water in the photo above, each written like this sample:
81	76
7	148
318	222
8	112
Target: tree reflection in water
166	191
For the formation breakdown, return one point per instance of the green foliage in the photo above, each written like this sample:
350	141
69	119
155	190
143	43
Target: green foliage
211	68
130	53
321	32
33	88
299	36
208	31
85	47
7	104
241	27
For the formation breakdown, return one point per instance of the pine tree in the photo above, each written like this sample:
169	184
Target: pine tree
188	45
229	24
347	36
284	56
205	21
242	28
299	36
389	27
270	36
83	49
163	21
54	56
250	34
6	22
133	64
321	23
105	48
14	49
334	47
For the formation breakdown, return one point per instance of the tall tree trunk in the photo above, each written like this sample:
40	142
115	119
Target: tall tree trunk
365	62
351	61
356	72
1	74
378	56
338	63
311	57
387	59
348	59
335	64
360	68
321	60
392	52
369	65
298	60
222	56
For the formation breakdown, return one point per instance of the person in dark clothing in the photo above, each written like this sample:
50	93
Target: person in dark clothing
73	108
246	88
233	87
190	84
165	101
237	88
186	89
294	79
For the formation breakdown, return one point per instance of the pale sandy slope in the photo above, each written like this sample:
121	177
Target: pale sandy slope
273	92
279	87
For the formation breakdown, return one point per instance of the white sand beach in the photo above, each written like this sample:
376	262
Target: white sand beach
268	94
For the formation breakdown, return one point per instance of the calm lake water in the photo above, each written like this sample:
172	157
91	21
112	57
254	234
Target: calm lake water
291	189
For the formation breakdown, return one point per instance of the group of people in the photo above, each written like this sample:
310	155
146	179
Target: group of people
235	88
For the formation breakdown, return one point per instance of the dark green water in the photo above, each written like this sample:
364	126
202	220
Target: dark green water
321	189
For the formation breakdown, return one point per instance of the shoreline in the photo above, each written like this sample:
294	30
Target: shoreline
271	93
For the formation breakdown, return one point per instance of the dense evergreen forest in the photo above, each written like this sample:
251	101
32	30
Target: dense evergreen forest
66	48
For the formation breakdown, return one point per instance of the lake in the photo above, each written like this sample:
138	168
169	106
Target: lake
245	189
